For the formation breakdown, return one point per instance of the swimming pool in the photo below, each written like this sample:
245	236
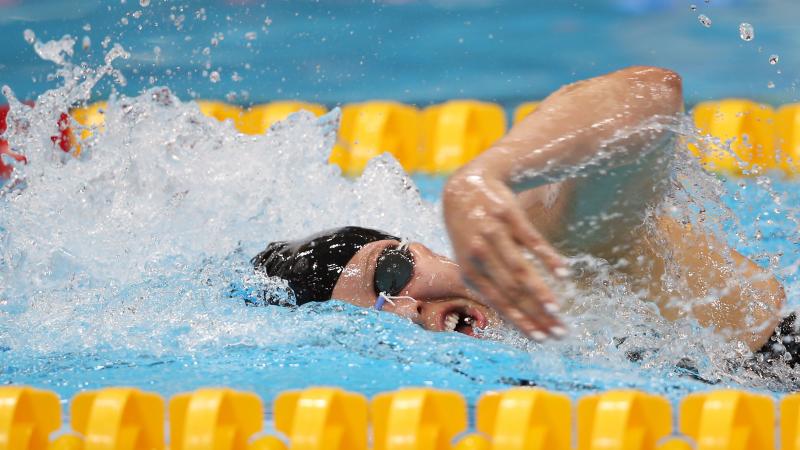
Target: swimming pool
116	268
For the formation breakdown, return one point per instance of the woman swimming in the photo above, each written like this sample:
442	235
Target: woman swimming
580	175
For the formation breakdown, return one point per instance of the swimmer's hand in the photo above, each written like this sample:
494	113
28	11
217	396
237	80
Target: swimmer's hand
491	234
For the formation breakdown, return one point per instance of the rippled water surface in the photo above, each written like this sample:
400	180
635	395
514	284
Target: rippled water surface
117	267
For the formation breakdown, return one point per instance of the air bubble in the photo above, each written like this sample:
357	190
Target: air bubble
693	8
773	59
29	35
251	35
704	20
771	85
746	32
214	76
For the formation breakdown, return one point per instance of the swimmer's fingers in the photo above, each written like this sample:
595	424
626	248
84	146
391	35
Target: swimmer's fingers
526	234
505	306
535	290
524	290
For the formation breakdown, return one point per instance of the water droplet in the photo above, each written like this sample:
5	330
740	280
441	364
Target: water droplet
136	14
771	85
123	21
87	27
86	43
693	7
267	22
29	35
773	59
704	20
144	3
214	76
746	32
251	35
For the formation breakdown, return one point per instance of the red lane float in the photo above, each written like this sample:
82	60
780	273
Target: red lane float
63	141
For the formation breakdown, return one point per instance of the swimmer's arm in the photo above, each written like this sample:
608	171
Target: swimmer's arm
489	228
730	293
572	126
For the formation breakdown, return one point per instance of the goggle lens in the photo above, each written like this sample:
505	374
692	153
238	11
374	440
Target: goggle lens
393	271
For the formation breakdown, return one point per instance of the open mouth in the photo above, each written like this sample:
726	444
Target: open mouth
463	319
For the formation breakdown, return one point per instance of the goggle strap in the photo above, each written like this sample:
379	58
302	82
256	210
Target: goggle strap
381	300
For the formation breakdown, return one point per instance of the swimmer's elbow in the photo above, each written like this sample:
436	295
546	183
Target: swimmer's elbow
663	87
668	79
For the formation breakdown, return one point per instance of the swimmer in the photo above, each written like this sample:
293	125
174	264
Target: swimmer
552	187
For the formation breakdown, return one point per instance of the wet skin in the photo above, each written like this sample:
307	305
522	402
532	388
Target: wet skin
436	291
524	195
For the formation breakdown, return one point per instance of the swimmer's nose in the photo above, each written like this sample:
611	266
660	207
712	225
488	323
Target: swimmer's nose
409	308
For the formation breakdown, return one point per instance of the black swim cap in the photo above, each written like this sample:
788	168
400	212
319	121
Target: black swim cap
312	266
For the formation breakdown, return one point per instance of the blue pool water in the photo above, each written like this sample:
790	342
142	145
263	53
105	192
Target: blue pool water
115	268
416	51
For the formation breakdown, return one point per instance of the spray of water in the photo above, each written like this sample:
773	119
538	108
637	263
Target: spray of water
121	261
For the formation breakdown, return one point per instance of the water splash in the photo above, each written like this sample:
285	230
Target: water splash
116	267
746	32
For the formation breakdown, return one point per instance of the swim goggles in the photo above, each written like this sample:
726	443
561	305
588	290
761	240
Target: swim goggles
393	272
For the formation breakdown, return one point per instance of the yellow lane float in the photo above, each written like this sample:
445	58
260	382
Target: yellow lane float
745	132
214	419
323	418
623	420
457	131
742	137
371	128
408	419
417	419
525	419
27	417
724	420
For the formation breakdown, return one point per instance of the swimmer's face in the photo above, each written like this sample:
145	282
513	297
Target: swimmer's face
439	300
